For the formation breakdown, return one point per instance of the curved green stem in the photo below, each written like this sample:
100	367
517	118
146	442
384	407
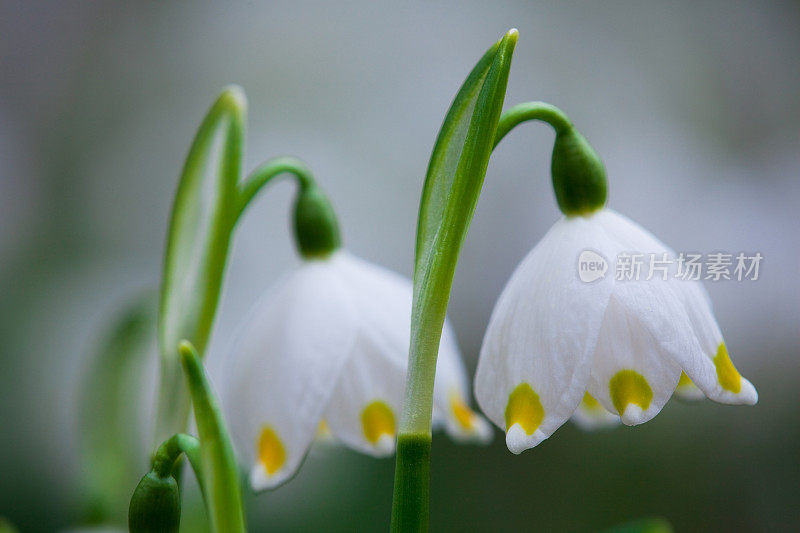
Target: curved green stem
170	451
264	173
578	174
520	113
156	503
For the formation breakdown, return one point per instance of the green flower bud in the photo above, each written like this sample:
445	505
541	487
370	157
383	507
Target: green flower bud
579	178
316	229
155	505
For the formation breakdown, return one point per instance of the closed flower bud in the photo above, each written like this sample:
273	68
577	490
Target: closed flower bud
315	225
579	178
155	505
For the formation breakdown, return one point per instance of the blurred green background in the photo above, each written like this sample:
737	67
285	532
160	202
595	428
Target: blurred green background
695	109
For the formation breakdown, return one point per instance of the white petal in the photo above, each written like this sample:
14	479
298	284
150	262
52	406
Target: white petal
708	367
648	329
450	393
632	237
632	373
591	415
378	369
542	335
283	369
711	370
365	407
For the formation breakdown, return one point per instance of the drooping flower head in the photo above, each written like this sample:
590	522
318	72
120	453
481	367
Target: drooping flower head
327	348
559	346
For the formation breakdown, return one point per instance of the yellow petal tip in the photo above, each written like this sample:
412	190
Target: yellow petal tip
629	387
461	412
377	419
728	376
524	408
271	453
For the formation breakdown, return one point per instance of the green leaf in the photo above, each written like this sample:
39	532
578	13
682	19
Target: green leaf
447	152
452	187
449	196
111	446
220	475
203	215
445	157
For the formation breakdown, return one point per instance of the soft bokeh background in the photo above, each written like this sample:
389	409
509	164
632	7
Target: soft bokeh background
695	109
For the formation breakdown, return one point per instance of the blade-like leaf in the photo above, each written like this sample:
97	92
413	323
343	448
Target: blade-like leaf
452	187
199	231
112	450
203	216
449	196
446	154
220	477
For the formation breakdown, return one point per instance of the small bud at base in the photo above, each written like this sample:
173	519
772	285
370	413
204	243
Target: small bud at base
155	505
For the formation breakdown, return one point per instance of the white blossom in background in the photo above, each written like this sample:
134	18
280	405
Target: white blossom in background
326	350
590	415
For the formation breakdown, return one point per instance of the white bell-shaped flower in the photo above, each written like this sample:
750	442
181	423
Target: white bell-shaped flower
557	336
328	347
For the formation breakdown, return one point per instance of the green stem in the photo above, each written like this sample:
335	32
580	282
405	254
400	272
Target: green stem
156	503
170	451
264	173
412	481
578	174
531	111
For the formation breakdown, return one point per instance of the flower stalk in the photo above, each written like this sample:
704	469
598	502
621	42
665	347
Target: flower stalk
168	454
579	177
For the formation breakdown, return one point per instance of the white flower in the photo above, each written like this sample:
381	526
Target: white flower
552	337
328	348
